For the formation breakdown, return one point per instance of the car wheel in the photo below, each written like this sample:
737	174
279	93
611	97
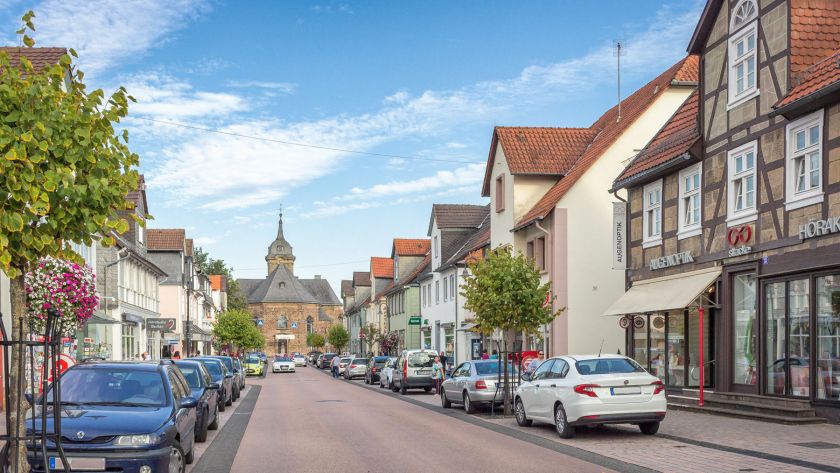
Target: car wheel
403	388
229	400
561	423
190	457
427	390
393	388
521	418
649	428
222	404
469	407
177	464
201	431
444	402
215	424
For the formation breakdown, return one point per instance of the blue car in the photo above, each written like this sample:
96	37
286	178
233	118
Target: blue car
220	374
131	417
232	369
207	393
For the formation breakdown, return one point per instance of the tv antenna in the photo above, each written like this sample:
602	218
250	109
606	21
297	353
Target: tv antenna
618	51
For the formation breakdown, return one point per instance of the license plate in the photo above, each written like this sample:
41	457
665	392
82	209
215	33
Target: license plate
424	372
627	390
78	464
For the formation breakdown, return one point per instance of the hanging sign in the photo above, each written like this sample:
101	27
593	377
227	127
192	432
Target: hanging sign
625	321
619	236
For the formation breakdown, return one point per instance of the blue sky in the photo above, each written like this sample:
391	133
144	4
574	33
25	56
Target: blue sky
425	80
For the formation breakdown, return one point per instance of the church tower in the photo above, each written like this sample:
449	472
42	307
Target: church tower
280	251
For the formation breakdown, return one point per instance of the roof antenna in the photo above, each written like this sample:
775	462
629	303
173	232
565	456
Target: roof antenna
601	349
618	51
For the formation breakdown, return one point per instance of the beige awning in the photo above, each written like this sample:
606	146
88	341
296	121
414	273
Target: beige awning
674	292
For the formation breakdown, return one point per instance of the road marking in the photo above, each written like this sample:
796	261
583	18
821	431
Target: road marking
219	456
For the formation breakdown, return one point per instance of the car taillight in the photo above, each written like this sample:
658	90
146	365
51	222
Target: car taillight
660	386
405	369
352	366
586	389
480	384
373	370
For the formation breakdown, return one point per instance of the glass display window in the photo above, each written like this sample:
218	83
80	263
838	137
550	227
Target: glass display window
745	352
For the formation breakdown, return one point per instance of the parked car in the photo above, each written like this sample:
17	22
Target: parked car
473	383
206	391
342	364
231	366
220	374
240	372
313	357
299	360
414	371
325	360
110	408
571	391
283	364
254	365
356	368
386	379
374	368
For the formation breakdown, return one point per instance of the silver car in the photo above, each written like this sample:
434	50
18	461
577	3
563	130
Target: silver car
357	368
386	376
342	364
473	383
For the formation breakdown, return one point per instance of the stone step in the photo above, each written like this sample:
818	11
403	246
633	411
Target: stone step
799	411
752	398
742	414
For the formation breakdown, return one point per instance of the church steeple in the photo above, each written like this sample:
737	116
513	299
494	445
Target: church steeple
280	251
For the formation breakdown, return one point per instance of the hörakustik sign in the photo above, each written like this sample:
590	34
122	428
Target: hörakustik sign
671	260
816	228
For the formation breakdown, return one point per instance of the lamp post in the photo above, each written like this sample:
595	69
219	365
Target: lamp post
188	281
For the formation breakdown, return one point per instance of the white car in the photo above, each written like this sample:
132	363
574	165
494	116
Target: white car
386	376
282	364
342	364
299	360
571	391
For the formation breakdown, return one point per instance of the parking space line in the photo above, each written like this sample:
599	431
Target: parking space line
219	456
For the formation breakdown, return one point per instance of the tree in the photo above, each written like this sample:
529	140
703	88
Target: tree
338	337
315	340
64	172
389	341
237	328
236	300
505	293
369	335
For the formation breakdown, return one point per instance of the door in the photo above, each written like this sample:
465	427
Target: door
744	334
184	421
787	338
541	391
554	386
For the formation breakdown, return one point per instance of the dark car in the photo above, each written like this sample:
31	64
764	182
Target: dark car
240	371
231	366
206	391
122	416
220	374
374	368
326	359
313	356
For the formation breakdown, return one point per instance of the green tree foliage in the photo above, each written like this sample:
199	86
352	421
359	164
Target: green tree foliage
65	171
237	328
505	293
338	337
369	335
315	340
235	298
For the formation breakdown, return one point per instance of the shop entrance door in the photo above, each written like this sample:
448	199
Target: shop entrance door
743	364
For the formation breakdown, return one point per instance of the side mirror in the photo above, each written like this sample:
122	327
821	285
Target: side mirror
214	386
188	403
229	375
526	376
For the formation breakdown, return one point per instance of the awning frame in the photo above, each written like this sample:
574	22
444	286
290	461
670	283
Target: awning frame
637	299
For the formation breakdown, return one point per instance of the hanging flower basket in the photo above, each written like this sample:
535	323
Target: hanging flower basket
65	287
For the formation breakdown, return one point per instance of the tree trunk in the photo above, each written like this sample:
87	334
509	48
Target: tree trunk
508	337
17	381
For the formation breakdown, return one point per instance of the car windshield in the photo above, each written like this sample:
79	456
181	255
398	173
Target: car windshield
282	358
253	359
346	359
421	360
215	369
381	360
113	386
227	361
484	369
360	361
608	366
192	374
329	356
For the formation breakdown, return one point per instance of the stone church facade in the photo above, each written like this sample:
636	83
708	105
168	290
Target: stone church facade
285	307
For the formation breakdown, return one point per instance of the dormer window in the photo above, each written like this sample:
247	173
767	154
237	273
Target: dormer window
743	55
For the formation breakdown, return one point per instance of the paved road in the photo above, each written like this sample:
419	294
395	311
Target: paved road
308	422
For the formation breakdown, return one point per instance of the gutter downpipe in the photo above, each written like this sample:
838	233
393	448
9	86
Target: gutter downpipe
550	278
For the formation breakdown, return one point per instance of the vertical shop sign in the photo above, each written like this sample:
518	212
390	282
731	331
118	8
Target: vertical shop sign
619	237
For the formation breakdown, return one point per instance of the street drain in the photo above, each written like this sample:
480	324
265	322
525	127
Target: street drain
331	400
817	445
680	446
747	469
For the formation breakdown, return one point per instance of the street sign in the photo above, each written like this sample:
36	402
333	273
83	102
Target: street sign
294	324
160	325
414	321
260	323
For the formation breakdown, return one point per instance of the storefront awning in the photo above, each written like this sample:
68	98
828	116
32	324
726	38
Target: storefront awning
100	319
674	292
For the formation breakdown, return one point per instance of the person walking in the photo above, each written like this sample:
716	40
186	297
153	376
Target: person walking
177	355
334	366
437	374
484	355
495	355
535	363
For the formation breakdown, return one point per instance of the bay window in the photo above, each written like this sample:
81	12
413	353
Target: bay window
803	167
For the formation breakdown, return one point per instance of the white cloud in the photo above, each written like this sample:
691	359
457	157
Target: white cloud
105	32
462	176
204	241
281	87
323	209
161	96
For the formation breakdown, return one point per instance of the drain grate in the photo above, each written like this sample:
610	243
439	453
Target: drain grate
331	400
680	446
817	445
747	469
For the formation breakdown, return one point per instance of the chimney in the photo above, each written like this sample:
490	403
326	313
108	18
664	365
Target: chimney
317	276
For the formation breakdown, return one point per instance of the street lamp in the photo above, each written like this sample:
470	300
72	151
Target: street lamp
188	281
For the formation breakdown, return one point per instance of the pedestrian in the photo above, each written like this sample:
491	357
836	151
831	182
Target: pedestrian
535	363
443	358
177	355
334	366
495	355
484	355
437	374
198	353
144	356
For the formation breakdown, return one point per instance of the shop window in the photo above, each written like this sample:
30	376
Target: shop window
742	182
804	162
828	337
652	214
745	344
689	204
743	55
640	340
788	357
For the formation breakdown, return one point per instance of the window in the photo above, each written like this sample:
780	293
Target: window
437	292
558	370
652	218
445	289
500	193
451	286
804	162
742	54
396	269
742	192
436	249
689	205
529	250
310	325
539	253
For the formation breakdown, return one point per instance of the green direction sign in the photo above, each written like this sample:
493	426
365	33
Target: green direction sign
414	321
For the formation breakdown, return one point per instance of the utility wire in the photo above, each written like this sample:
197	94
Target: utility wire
307	266
304	145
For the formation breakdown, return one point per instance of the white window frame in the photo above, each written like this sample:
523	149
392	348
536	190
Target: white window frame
437	292
650	239
747	214
684	229
452	286
445	289
733	98
814	195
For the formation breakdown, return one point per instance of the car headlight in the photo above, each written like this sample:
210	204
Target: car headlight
137	440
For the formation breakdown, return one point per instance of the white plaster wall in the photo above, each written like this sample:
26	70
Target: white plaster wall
592	283
435	235
527	191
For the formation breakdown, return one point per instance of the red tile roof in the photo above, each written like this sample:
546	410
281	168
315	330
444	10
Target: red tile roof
537	150
411	246
381	267
39	57
813	79
165	239
814	32
674	139
609	130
